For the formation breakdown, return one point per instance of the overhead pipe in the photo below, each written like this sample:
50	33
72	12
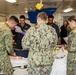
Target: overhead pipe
59	5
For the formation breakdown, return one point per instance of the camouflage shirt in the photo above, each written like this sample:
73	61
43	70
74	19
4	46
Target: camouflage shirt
72	53
6	46
40	40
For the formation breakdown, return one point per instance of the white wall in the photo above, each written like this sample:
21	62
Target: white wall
2	17
58	17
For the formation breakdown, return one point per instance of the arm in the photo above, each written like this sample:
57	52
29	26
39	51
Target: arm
58	32
9	44
26	40
72	42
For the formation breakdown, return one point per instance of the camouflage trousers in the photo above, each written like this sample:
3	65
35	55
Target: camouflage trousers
71	64
4	74
41	70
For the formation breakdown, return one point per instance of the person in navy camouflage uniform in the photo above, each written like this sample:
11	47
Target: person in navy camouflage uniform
40	41
6	45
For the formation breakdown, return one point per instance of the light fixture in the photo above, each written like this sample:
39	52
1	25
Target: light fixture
26	10
11	1
39	6
68	10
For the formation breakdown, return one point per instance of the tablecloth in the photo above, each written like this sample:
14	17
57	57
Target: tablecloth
19	62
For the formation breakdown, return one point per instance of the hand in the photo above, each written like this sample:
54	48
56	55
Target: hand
14	54
19	57
22	33
15	57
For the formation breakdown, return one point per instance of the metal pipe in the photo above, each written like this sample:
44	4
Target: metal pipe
59	5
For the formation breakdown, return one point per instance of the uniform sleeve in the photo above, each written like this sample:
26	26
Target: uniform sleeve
72	42
9	44
26	40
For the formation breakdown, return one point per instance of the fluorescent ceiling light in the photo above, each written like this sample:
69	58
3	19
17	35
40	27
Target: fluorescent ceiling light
11	1
26	11
68	10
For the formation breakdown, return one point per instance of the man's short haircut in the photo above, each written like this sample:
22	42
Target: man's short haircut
43	16
50	16
14	18
22	16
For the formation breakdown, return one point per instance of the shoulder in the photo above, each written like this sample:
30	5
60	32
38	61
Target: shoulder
4	26
31	29
2	22
55	25
72	33
74	30
27	24
50	27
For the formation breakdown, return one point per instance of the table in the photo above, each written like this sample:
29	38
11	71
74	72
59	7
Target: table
59	66
19	62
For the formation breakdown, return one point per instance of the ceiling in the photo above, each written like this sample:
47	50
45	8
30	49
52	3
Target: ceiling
21	5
